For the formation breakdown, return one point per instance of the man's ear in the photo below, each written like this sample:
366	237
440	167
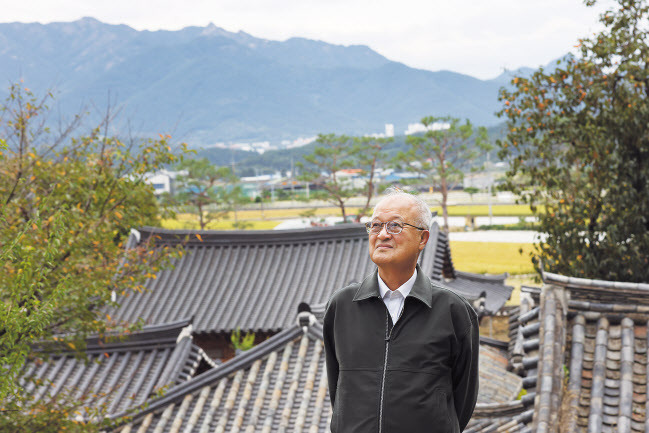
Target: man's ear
425	234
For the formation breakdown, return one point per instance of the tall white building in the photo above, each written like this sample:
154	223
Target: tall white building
389	130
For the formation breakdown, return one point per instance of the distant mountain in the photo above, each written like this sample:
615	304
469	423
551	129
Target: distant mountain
207	85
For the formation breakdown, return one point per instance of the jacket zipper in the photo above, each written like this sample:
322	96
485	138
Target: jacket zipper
385	360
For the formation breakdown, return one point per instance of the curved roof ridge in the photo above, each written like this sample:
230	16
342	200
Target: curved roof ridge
242	237
481	277
178	392
586	283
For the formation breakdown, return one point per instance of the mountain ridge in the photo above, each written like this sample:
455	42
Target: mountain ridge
209	85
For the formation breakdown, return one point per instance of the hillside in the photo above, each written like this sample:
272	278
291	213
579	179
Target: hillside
205	85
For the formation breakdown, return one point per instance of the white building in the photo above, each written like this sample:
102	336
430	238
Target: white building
162	181
414	128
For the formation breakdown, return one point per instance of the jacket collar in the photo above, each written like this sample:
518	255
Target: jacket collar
421	290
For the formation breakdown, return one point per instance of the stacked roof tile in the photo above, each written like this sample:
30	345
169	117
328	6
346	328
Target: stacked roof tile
117	375
598	330
497	385
255	280
279	385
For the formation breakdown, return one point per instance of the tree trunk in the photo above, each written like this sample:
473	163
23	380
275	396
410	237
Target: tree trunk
201	221
444	188
370	192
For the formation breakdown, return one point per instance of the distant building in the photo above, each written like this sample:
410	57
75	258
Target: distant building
389	130
162	181
414	128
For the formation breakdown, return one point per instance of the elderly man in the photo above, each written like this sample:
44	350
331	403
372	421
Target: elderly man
401	351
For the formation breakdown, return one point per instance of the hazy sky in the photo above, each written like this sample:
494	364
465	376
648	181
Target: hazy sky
475	37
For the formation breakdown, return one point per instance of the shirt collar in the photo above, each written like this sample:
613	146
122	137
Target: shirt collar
404	289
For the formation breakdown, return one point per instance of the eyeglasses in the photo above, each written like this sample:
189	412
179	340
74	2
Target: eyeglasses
392	227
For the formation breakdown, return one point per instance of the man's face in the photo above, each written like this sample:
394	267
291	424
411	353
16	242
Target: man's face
400	250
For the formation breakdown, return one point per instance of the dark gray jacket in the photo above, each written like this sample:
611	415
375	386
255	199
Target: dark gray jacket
420	375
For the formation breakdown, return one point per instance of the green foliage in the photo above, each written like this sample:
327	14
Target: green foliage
334	153
370	153
242	343
206	190
441	156
67	207
580	137
521	394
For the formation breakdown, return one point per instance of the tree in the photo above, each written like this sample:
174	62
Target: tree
208	191
333	154
68	205
369	151
579	135
340	152
442	155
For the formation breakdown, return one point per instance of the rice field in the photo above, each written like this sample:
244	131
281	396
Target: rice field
492	257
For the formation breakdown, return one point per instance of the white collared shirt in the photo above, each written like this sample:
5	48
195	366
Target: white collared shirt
394	300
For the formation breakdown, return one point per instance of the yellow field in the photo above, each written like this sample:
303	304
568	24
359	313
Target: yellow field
496	258
492	257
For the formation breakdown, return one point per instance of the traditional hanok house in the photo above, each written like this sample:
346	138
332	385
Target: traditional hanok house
582	347
281	385
119	374
254	280
593	356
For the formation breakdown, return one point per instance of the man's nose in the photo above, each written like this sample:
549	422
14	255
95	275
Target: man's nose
383	234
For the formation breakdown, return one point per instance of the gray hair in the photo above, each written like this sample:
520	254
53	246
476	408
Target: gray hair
423	218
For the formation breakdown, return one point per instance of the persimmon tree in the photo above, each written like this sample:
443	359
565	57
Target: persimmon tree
441	156
578	143
67	204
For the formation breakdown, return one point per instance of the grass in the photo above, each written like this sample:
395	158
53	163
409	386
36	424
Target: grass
492	257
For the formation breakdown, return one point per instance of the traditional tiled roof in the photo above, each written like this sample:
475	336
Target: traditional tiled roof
524	328
491	288
255	279
593	356
281	385
120	374
502	422
497	385
249	279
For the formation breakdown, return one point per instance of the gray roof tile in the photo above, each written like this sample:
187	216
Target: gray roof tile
120	374
280	385
255	279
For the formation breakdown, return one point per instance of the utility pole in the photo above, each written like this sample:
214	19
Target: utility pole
490	181
292	184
